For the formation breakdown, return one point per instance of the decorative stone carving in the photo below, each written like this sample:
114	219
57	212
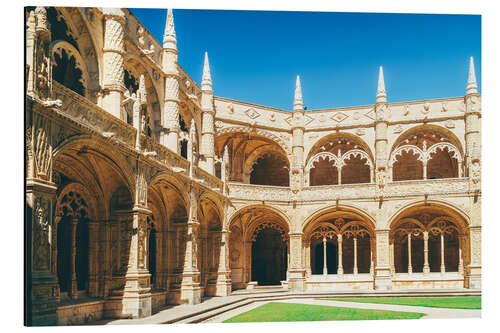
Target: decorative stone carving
252	113
339	117
42	231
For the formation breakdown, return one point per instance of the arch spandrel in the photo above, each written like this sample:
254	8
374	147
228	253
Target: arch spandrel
170	189
439	208
428	128
333	211
276	214
85	144
315	147
255	132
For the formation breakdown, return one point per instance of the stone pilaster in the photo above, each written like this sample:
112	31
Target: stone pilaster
136	300
382	268
474	274
170	116
223	286
472	102
137	292
113	51
190	285
41	271
296	271
208	130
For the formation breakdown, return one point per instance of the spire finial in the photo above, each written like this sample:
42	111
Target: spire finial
471	81
206	79
381	94
297	101
169	37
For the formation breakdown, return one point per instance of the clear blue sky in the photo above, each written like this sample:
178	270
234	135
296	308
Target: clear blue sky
256	55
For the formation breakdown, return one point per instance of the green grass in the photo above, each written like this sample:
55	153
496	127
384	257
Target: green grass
467	302
303	312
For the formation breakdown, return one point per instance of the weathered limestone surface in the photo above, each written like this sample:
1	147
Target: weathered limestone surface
143	189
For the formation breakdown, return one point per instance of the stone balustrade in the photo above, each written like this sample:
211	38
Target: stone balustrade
86	113
349	191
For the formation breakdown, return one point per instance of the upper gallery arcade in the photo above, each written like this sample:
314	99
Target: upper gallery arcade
143	188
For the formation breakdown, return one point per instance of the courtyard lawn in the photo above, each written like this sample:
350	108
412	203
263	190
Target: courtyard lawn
274	312
467	302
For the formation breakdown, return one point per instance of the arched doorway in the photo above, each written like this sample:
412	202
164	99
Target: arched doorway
269	257
258	246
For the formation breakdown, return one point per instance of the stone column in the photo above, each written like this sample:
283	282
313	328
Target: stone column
426	269
340	269
296	271
223	287
325	268
355	268
382	268
443	269
170	116
113	51
410	269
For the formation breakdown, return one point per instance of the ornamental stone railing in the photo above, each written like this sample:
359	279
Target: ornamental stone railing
258	192
334	192
88	114
349	191
208	180
443	186
164	155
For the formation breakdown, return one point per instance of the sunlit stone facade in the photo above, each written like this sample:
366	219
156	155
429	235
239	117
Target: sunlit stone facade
144	189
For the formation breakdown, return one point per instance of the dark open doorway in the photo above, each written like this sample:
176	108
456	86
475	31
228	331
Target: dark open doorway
269	258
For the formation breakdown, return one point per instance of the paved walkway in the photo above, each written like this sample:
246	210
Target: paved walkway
430	313
218	309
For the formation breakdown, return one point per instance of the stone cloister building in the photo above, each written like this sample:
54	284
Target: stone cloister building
145	189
